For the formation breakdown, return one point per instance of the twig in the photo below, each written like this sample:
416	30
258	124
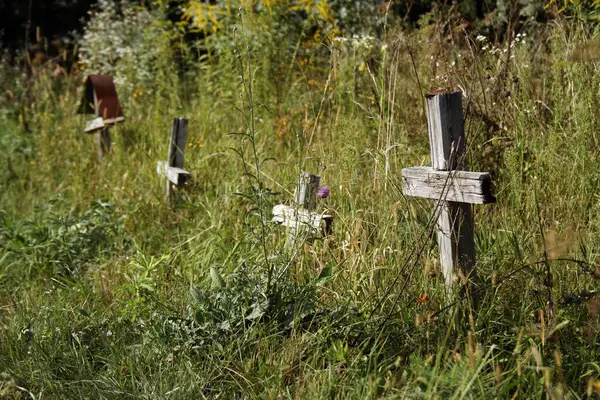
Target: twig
579	298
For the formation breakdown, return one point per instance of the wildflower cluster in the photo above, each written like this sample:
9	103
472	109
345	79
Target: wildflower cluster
210	17
359	47
121	42
359	43
198	143
518	40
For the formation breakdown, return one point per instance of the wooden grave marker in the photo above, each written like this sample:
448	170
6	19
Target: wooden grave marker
453	189
303	216
100	98
172	169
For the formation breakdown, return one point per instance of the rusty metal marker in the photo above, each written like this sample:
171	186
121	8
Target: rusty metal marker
100	98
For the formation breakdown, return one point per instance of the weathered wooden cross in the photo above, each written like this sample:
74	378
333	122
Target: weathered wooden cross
453	189
303	215
172	169
100	98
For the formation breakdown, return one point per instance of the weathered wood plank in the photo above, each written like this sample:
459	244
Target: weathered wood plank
174	175
177	146
295	218
306	200
173	168
104	142
454	222
446	133
94	125
306	190
455	240
457	186
99	123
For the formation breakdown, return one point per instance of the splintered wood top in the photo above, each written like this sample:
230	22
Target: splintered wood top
440	92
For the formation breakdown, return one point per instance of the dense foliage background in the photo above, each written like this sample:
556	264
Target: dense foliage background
107	290
59	18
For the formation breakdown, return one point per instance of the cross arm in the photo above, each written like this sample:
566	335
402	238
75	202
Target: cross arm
293	218
457	186
175	175
100	123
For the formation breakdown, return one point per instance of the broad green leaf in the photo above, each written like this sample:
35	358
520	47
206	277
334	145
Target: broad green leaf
217	279
325	274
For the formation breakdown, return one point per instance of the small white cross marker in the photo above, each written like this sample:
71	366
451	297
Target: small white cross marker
303	214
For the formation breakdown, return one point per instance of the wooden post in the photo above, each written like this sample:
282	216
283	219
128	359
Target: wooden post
453	190
104	142
447	146
303	214
102	127
306	199
172	169
176	150
306	190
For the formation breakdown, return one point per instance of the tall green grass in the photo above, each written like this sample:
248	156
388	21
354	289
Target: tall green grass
181	302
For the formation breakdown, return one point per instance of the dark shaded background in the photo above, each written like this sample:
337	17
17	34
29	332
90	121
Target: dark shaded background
55	20
19	20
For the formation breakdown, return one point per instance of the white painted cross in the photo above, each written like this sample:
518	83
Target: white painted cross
303	214
173	168
454	190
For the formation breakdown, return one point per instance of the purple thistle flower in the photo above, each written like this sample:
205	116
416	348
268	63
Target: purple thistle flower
323	192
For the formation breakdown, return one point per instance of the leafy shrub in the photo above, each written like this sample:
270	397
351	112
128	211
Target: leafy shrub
357	17
228	307
123	40
54	243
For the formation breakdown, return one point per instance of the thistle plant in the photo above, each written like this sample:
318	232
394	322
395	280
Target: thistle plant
257	193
